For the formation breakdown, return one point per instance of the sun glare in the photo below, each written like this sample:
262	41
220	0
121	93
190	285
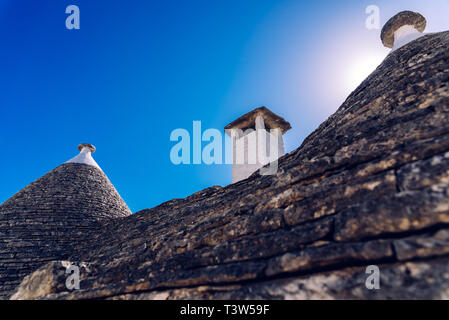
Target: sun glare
360	68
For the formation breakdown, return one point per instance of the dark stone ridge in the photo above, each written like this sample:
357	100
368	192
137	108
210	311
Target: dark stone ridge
369	186
49	218
401	19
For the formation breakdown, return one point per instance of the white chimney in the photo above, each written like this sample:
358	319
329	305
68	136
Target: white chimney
256	141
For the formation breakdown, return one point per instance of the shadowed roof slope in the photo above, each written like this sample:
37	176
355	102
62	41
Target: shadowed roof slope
72	189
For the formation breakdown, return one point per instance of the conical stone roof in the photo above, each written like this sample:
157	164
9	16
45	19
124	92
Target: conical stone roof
47	218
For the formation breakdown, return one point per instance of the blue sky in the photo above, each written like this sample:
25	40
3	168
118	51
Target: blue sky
137	70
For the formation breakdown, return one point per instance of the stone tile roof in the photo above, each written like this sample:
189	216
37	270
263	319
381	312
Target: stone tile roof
46	219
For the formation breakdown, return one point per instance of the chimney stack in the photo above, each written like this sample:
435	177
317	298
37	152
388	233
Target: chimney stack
256	141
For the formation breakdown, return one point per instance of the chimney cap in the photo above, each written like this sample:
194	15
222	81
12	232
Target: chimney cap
89	146
403	18
248	120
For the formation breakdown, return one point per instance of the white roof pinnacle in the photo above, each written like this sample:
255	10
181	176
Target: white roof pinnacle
85	156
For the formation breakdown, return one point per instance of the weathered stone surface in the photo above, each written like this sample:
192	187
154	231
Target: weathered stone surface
411	280
369	186
404	211
44	281
425	246
330	255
